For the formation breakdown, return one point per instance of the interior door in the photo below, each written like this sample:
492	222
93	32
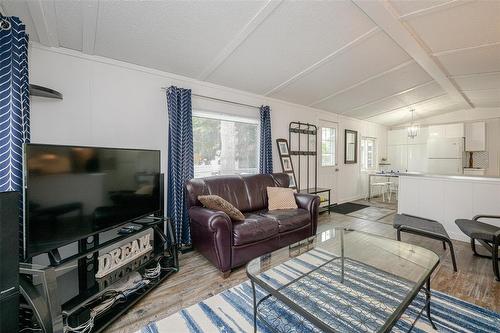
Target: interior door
328	157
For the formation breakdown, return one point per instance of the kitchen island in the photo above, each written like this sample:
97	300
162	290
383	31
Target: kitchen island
446	198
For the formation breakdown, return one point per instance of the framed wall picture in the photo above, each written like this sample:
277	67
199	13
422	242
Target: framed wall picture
350	147
283	147
287	164
293	182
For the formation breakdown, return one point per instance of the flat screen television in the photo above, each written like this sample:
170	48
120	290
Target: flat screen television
73	192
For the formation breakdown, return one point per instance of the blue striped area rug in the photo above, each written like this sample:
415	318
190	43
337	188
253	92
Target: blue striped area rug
357	305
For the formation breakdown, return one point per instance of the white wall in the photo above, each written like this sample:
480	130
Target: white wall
116	104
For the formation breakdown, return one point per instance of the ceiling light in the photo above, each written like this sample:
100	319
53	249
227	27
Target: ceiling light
413	129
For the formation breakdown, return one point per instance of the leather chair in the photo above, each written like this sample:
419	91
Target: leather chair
229	244
488	235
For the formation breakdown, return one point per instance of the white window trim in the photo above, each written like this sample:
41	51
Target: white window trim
224	116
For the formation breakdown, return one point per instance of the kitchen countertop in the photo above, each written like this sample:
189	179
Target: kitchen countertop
457	177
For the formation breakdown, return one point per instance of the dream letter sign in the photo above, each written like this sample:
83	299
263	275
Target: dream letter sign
124	254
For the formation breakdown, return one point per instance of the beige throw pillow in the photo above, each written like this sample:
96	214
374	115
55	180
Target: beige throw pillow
281	198
217	203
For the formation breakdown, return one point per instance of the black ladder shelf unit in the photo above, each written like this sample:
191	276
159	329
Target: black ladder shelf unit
308	151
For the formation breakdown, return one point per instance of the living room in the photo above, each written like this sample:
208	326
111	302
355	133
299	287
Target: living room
314	126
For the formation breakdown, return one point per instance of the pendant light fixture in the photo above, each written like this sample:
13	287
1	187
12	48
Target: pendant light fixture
413	129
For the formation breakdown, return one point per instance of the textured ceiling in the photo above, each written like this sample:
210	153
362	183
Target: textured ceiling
371	60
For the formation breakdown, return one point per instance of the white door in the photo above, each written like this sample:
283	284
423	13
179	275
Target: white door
328	158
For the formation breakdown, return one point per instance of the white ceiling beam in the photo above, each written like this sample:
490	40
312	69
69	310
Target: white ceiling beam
326	59
90	11
386	17
388	97
242	35
435	8
406	107
44	18
368	79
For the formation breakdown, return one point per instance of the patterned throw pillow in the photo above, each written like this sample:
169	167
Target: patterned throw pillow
217	203
281	198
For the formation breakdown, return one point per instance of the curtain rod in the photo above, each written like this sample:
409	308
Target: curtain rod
221	100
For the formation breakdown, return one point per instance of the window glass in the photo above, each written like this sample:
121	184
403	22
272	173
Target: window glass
368	153
328	145
224	146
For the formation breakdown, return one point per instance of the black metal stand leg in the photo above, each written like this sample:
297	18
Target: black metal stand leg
444	245
452	252
495	261
428	301
254	308
473	246
398	234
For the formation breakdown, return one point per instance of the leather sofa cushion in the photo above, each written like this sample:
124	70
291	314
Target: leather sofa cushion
288	219
256	186
254	228
231	189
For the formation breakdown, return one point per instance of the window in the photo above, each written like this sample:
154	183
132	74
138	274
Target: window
224	145
368	153
328	146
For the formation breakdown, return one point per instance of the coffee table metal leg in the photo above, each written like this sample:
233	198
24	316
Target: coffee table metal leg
428	301
254	307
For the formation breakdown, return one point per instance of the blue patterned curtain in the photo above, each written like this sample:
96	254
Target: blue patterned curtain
180	159
14	105
266	145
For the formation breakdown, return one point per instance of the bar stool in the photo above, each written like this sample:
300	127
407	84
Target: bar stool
382	188
393	188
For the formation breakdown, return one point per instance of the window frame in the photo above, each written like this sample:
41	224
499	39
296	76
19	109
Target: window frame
334	127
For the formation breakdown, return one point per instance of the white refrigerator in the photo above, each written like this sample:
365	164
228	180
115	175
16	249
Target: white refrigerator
444	156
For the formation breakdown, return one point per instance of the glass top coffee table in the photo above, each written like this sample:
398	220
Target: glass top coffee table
340	281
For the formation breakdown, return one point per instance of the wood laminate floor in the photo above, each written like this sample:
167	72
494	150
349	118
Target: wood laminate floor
198	279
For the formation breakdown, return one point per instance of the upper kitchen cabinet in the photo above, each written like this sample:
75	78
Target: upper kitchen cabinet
446	131
475	136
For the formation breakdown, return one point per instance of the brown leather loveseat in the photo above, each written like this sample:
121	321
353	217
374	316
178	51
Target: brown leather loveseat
229	244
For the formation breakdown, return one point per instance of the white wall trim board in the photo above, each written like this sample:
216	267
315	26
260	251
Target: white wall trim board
90	11
386	17
44	19
435	8
240	37
326	59
464	49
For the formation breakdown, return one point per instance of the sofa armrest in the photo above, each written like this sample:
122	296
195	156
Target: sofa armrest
211	232
212	219
309	202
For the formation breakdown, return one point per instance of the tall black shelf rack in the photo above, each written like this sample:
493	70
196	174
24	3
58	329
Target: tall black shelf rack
309	132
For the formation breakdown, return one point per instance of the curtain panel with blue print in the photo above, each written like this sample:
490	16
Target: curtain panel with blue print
180	160
14	106
266	145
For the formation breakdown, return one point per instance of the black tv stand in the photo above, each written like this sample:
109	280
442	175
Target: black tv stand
45	301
